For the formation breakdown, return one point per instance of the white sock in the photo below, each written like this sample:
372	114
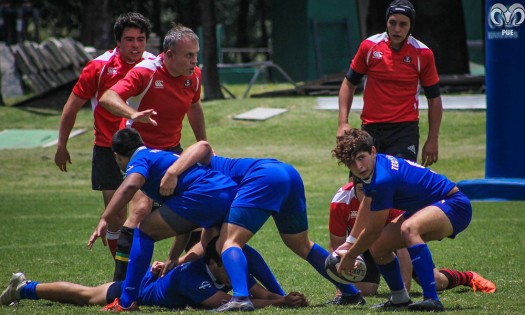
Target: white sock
112	235
400	296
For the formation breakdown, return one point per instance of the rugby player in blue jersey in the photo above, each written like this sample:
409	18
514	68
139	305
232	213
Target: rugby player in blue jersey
201	199
267	187
434	209
199	284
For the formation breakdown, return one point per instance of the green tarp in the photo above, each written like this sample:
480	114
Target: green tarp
31	138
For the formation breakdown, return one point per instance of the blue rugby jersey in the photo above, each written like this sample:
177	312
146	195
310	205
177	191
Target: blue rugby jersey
188	284
402	184
202	195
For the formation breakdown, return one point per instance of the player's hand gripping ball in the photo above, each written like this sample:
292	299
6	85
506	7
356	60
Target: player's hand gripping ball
332	262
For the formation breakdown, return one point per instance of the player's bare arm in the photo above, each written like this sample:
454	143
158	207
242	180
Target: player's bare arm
200	152
67	122
179	244
112	101
198	249
431	147
262	298
196	119
122	196
346	97
363	215
367	237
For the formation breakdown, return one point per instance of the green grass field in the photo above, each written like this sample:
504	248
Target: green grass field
47	216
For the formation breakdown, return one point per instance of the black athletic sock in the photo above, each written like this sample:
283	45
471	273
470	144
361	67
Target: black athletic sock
456	278
122	256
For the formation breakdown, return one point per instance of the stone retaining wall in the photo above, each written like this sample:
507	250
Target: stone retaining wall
32	68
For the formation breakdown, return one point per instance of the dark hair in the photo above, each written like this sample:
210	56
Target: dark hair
402	7
211	253
175	35
126	141
133	20
355	180
350	144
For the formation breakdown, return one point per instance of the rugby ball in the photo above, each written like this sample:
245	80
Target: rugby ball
332	262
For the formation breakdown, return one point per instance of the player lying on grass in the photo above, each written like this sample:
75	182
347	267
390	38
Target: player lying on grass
434	209
267	188
199	284
343	212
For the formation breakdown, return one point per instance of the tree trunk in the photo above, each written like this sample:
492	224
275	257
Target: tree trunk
242	28
264	39
210	72
99	34
188	13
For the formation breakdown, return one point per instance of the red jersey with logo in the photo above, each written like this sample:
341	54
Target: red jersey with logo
343	211
393	78
150	86
98	76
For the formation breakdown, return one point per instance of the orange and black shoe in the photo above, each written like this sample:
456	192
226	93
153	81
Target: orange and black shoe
481	284
116	307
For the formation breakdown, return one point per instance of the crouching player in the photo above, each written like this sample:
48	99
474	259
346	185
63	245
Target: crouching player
343	212
434	209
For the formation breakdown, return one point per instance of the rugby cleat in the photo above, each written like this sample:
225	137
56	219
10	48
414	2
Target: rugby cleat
236	304
117	308
481	284
391	305
427	305
12	292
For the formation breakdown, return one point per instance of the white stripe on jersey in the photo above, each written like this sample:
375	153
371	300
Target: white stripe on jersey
417	44
134	101
343	196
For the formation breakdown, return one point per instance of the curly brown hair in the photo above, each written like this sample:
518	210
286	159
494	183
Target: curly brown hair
350	144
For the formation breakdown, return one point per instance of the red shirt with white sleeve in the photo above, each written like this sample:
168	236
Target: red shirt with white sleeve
393	78
150	86
97	77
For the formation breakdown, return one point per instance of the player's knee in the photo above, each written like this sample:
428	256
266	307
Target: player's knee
121	216
382	256
299	244
137	214
409	231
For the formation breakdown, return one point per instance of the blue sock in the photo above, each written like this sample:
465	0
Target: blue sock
316	257
424	269
236	266
139	260
261	271
392	275
28	292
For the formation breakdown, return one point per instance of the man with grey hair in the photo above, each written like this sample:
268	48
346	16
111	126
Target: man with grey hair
168	87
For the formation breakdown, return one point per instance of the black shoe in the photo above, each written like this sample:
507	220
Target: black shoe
428	305
354	299
389	304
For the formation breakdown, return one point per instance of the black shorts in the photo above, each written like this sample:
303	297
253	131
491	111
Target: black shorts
105	173
396	139
177	223
114	291
372	272
177	149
